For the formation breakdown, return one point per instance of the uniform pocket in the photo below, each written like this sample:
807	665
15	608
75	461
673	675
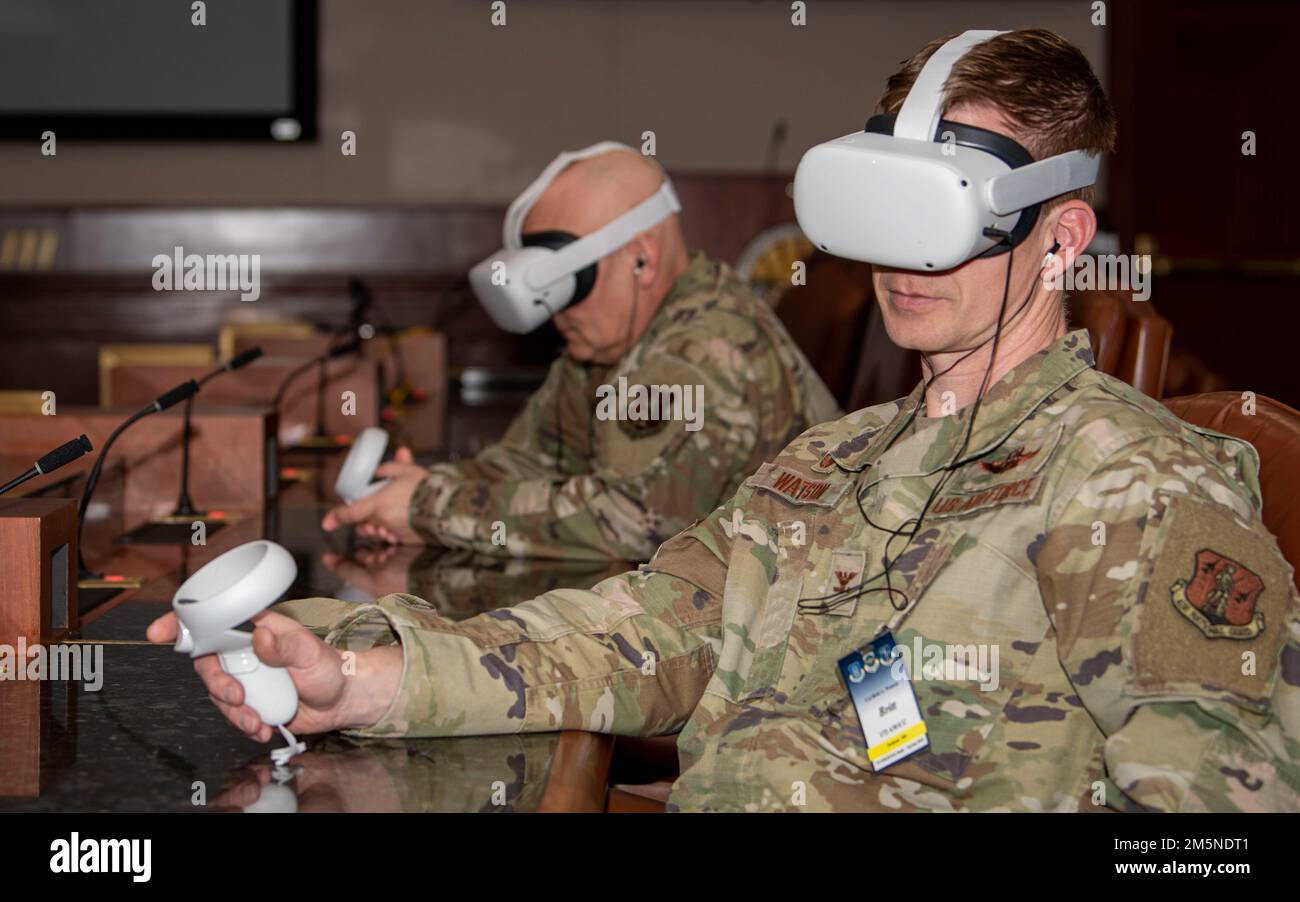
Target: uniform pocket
764	578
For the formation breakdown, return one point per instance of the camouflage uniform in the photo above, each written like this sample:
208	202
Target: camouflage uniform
1083	537
620	487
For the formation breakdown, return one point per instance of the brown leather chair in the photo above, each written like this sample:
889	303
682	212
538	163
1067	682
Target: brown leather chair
826	317
1274	430
1102	314
1145	361
1129	339
884	370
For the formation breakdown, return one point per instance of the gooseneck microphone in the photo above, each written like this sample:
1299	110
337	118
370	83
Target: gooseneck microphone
60	456
184	507
182	392
349	347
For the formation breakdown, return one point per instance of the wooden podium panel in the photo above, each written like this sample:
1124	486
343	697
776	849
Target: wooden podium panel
113	356
28	733
422	351
256	384
232	460
38	557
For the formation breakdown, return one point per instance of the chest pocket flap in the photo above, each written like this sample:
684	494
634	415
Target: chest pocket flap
1012	474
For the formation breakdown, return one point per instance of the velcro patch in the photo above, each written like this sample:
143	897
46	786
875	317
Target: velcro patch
639	429
797	488
1217	590
845	575
952	504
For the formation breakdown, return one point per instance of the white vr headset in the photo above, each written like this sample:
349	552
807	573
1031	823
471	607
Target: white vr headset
535	276
918	192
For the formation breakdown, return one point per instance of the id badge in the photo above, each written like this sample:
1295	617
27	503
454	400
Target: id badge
877	680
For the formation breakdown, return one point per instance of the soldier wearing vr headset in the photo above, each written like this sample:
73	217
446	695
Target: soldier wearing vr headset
1025	586
583	472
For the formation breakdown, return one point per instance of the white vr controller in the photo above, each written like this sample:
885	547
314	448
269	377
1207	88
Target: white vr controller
224	593
354	484
367	453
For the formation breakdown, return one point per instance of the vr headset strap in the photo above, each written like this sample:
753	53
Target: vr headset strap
920	112
605	240
513	226
1037	182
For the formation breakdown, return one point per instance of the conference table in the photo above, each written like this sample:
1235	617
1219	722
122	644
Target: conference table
140	734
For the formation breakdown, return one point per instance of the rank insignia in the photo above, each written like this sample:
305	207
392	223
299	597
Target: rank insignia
846	569
1220	597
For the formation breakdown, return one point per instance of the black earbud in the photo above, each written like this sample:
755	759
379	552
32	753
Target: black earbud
640	265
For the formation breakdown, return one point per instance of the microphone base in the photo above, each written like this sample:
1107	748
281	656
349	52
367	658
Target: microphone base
187	511
205	516
120	583
92	597
94	589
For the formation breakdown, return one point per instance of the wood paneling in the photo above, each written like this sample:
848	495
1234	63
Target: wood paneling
413	260
36	603
1187	80
228	453
255	386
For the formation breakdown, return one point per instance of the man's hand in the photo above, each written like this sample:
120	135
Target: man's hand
328	699
385	514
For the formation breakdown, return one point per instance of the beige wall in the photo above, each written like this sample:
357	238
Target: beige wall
448	108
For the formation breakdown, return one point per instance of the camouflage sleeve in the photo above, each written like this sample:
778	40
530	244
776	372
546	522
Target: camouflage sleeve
630	656
646	480
1177	624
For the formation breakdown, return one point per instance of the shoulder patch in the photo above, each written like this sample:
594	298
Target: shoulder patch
1219	597
1212	579
639	429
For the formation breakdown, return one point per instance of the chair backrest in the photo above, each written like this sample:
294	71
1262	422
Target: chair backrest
113	356
20	401
826	317
236	337
1101	313
1129	339
1274	430
1145	361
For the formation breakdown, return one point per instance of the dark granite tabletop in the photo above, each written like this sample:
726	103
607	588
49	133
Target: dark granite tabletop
138	733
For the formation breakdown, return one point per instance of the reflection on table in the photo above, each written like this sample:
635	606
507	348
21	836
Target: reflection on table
139	733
